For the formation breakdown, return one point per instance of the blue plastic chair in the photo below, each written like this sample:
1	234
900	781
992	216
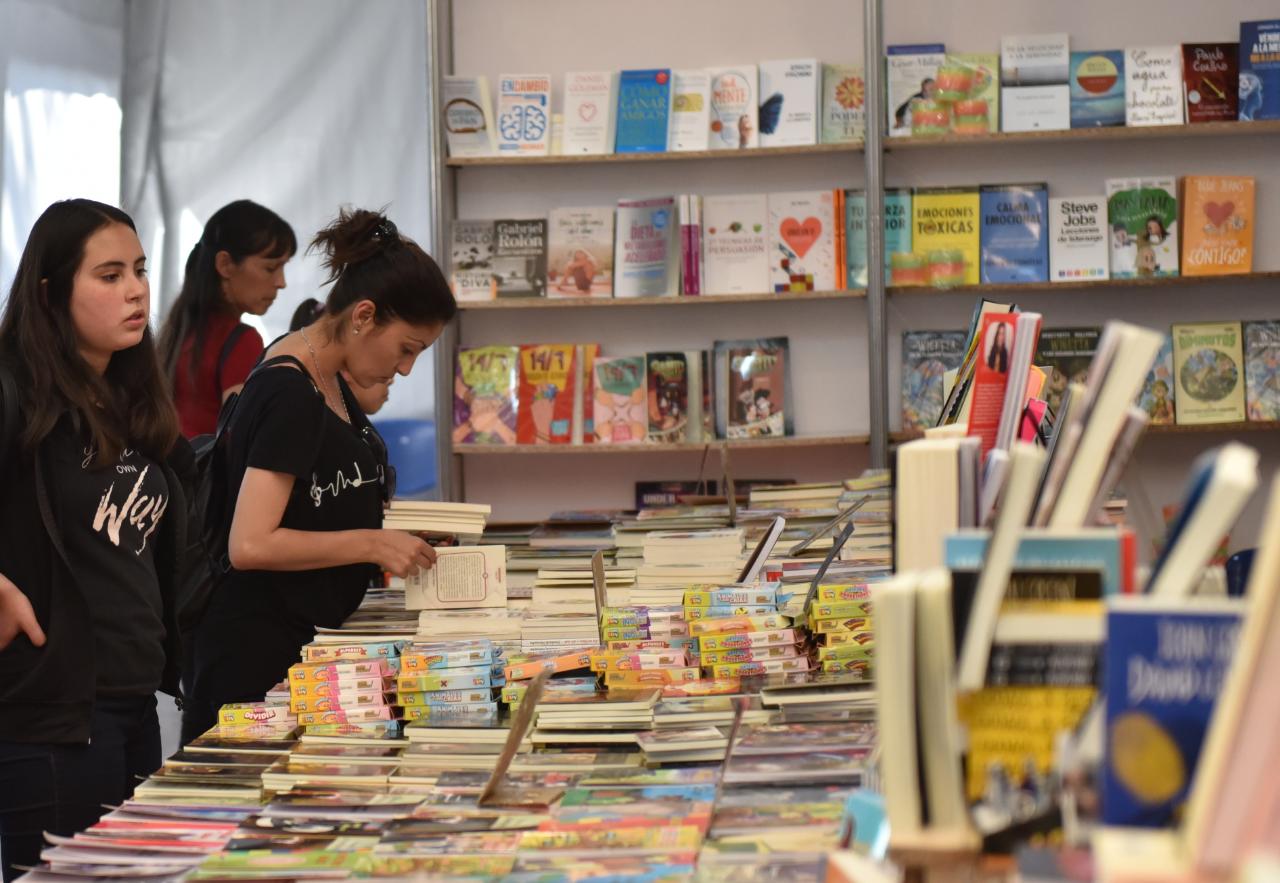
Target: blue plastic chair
411	448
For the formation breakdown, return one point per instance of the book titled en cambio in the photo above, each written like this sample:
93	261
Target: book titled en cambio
1217	218
1208	366
524	114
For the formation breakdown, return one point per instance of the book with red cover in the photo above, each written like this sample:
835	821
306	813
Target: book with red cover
991	376
547	378
1211	75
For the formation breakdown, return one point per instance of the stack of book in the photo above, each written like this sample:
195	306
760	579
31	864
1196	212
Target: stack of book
626	709
449	680
466	521
842	629
675	559
347	692
498	625
749	645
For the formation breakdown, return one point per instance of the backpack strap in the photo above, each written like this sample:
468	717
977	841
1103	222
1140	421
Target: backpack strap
225	353
229	406
8	413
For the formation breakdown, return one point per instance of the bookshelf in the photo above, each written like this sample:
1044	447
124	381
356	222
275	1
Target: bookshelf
739	444
684	156
1165	429
596	303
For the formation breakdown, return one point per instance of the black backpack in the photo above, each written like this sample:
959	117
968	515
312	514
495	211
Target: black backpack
8	413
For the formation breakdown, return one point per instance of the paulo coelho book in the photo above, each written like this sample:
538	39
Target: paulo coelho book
1217	221
1211	78
1015	235
484	395
621	412
548	375
947	219
1208	366
1142	223
753	376
647	248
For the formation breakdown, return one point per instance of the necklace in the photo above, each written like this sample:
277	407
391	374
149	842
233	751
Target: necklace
320	374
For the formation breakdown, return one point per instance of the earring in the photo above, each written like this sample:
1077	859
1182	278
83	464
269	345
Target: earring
355	329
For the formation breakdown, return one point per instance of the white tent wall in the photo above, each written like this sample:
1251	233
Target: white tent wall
301	105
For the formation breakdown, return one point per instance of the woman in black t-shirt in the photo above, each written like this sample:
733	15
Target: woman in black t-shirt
306	470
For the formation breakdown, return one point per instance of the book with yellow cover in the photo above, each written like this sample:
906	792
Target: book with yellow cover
945	219
1217	225
1208	372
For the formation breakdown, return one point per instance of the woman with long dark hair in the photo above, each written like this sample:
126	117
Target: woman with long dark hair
237	267
306	472
91	520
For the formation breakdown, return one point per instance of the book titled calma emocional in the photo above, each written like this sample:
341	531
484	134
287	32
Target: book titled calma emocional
1208	366
1142	217
647	248
1015	236
524	114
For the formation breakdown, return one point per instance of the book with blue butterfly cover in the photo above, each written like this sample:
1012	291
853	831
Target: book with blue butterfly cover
1260	70
644	111
789	103
1165	665
1015	232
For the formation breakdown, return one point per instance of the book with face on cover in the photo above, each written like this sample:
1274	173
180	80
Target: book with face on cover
621	404
753	381
485	394
1142	215
580	252
1260	70
734	113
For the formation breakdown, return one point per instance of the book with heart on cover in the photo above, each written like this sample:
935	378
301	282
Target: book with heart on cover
1217	225
803	229
588	112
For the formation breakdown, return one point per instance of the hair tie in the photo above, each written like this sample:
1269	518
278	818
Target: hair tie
385	232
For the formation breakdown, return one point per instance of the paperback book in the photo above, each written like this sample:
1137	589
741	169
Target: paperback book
1078	242
468	116
485	395
1066	353
1262	370
912	72
803	248
844	110
1097	88
897	232
1153	86
620	413
1143	218
754	389
588	112
644	111
788	103
524	114
1211	79
926	357
1157	396
689	207
1015	236
520	257
1208	363
734	111
580	252
471	260
668	395
690	110
1218	219
735	242
1260	70
647	248
946	220
548	375
1034	59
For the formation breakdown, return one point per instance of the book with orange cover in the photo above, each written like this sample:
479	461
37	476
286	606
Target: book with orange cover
548	376
1217	225
652	677
523	671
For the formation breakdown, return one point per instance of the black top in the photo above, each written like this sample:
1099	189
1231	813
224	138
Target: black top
109	518
259	620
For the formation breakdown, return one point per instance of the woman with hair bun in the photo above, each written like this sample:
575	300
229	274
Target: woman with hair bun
369	398
305	471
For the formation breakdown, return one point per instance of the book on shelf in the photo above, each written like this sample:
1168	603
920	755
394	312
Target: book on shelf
549	375
676	396
1153	90
937	494
463	577
734	112
1211	80
471	271
580	252
1034	59
524	114
735	242
1208	365
926	357
1260	70
520	257
1218	221
789	102
468	116
896	223
1262	370
970	82
1014	232
844	110
689	207
644	111
1097	88
946	229
1158	396
753	379
620	414
1035	108
1079	249
804	229
911	76
647	248
589	101
485	395
1142	214
1067	353
690	110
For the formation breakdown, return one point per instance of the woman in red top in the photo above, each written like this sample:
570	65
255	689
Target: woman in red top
237	267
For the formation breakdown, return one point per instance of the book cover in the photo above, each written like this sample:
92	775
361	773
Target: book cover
1164	668
1262	370
463	577
1157	396
755	387
976	108
1217	218
1208	363
644	111
524	114
735	243
788	102
1035	108
647	248
991	376
1034	59
588	112
803	241
912	72
1078	244
1142	214
1097	88
468	116
1067	353
1211	80
544	413
734	110
621	413
485	395
690	110
1153	86
690	208
844	110
897	232
1259	93
580	252
668	394
945	219
520	257
471	260
926	357
1014	232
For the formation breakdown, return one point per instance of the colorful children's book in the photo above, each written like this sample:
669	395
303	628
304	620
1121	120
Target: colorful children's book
1078	242
1153	86
803	241
520	257
644	111
1165	666
1217	216
1142	214
1015	235
548	374
734	113
471	260
945	219
754	388
1066	352
1208	364
589	101
1211	80
580	252
647	248
1262	370
912	72
897	232
524	114
621	415
485	394
926	357
468	116
844	110
690	109
735	244
1260	70
788	102
1157	396
668	394
1097	88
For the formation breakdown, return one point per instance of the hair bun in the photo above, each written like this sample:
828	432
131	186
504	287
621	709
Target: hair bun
354	236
